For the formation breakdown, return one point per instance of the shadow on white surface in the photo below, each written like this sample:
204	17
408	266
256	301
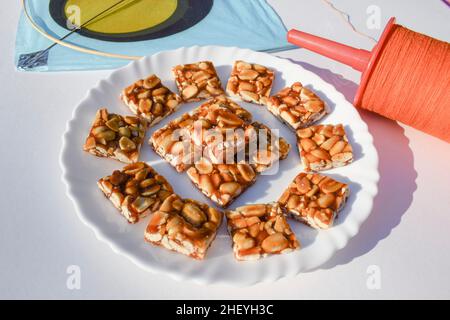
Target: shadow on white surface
397	175
357	149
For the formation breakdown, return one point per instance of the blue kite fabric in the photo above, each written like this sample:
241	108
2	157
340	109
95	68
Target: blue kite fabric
249	24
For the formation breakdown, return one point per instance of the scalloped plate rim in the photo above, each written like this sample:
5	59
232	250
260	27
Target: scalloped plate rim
100	235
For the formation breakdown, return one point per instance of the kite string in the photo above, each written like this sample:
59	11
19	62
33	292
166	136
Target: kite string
346	18
73	46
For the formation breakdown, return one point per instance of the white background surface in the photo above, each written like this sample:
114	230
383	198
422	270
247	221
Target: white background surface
407	235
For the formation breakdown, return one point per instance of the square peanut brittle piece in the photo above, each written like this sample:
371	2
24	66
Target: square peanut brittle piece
264	148
222	183
221	129
115	136
324	147
297	106
259	230
173	142
150	99
314	199
197	81
185	226
136	190
250	82
217	110
202	131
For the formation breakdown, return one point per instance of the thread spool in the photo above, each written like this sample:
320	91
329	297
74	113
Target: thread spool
406	76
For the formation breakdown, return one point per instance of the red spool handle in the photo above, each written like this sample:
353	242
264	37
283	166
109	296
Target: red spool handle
359	59
356	58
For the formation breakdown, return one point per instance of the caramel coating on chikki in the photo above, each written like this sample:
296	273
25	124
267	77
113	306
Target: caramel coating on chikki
215	109
324	147
314	199
222	183
136	190
115	136
250	82
267	148
197	132
184	225
221	131
259	230
297	106
173	142
150	99
197	81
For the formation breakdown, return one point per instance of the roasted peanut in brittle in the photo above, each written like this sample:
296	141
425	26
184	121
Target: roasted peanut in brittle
258	230
150	99
222	183
324	147
297	106
136	190
213	128
264	148
115	136
250	82
173	142
314	199
197	81
185	226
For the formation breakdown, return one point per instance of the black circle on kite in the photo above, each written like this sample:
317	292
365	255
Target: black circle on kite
183	15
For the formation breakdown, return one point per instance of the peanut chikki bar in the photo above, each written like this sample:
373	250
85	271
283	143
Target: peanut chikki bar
182	139
265	148
297	106
221	128
259	230
220	121
220	134
197	81
150	99
173	142
324	147
222	183
214	109
221	145
185	226
250	82
115	136
314	199
136	190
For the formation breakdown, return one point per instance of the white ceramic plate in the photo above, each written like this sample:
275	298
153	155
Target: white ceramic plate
82	170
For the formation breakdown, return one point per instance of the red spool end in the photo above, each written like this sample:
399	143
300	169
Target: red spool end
372	61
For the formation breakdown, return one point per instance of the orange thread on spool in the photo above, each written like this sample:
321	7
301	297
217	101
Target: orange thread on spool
410	82
405	77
